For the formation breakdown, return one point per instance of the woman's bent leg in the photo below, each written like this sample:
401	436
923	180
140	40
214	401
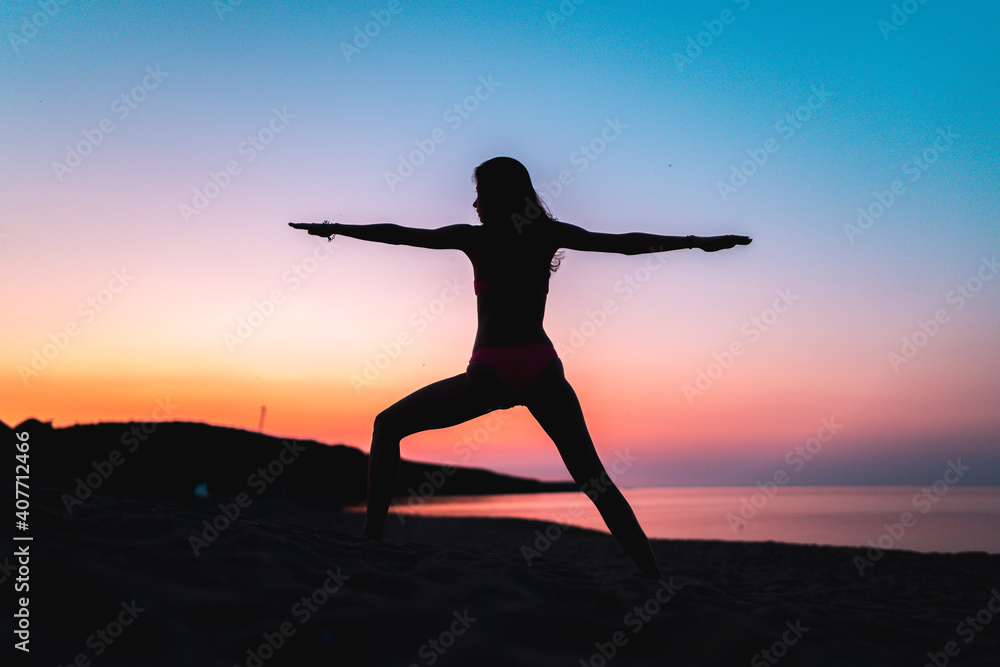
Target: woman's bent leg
438	405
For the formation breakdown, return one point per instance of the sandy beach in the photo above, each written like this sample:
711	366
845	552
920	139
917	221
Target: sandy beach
118	582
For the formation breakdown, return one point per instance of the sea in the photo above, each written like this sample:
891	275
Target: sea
946	519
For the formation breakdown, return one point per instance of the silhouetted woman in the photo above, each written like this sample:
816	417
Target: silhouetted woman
513	362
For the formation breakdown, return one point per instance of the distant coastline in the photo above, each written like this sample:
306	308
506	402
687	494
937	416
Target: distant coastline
183	460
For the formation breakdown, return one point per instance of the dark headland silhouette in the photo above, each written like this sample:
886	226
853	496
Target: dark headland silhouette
169	460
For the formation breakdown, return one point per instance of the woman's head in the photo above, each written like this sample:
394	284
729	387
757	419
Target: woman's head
505	195
507	201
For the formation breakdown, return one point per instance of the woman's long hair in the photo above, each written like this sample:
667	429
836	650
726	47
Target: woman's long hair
508	200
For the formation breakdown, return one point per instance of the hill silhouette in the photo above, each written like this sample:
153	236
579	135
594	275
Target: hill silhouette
150	460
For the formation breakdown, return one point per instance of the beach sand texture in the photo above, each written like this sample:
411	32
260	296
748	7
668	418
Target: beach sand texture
459	592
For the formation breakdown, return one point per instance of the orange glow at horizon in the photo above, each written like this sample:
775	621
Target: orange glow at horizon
748	414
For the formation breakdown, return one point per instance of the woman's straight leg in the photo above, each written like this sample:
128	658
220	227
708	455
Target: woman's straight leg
554	404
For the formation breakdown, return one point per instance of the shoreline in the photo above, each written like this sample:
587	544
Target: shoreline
963	521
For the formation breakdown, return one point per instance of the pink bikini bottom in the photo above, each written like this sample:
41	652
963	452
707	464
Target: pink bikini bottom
517	366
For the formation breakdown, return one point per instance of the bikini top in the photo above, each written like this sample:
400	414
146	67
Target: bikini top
480	285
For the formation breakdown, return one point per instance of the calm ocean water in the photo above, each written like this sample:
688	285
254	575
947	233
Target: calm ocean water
896	517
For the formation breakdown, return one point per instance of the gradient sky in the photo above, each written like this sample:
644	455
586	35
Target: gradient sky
117	300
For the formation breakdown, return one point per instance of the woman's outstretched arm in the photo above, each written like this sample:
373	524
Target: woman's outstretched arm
572	237
452	237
